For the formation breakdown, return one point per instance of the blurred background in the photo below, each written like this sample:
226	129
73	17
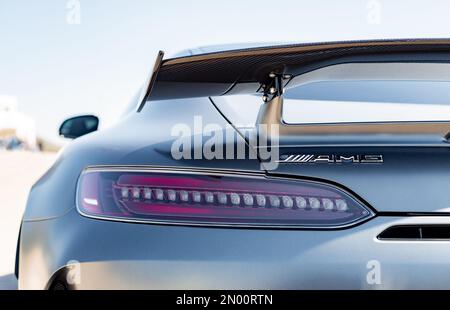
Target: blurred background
61	58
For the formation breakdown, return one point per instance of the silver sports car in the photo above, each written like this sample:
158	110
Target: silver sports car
306	166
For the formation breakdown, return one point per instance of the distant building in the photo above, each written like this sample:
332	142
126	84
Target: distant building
17	131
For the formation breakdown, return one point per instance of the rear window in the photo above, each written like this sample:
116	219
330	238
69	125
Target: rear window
367	101
351	93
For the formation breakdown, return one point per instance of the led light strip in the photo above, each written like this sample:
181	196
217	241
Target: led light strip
232	199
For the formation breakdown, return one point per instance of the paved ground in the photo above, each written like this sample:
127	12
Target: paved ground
18	171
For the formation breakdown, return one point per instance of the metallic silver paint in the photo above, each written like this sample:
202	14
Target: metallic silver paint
116	255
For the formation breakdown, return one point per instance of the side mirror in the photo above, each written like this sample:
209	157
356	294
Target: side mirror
78	126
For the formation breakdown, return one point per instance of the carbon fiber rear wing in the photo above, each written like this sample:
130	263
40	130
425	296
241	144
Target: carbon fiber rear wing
253	70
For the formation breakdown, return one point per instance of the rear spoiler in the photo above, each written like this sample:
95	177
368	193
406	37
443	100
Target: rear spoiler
253	70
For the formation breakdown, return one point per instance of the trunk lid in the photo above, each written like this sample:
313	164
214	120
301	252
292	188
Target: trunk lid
412	177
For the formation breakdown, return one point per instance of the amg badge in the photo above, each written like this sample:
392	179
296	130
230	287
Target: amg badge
330	159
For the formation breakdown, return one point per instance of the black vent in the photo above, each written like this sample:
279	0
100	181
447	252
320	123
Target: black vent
416	232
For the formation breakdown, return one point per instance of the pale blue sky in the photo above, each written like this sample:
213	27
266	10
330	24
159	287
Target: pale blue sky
57	69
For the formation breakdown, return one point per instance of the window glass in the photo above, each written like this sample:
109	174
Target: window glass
367	101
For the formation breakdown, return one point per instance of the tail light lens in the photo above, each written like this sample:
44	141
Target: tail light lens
214	199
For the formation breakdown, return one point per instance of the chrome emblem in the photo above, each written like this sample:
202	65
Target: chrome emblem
330	159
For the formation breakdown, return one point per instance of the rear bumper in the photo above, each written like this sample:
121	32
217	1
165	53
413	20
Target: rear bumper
114	255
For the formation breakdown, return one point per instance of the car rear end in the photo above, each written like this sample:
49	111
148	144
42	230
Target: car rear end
352	194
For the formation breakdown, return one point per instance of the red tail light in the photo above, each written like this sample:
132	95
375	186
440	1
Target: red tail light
214	199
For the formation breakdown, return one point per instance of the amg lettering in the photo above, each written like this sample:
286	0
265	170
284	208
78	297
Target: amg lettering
330	159
348	159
